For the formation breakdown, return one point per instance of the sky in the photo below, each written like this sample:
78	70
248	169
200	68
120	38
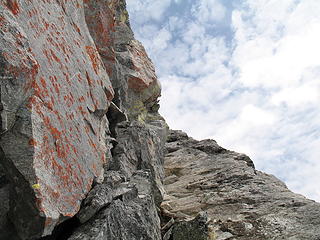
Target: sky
243	72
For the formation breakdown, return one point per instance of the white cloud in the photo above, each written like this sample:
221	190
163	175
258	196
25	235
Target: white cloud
277	54
209	11
258	95
270	51
297	96
152	9
161	39
256	116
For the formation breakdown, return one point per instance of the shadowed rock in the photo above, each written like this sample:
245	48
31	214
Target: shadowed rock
132	216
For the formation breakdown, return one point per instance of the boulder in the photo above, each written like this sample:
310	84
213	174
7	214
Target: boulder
55	92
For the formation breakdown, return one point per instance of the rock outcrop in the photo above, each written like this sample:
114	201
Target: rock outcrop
86	155
240	201
55	93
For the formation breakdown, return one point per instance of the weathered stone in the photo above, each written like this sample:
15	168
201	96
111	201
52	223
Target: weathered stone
115	116
7	230
195	229
54	95
65	145
103	195
140	147
131	71
133	218
242	203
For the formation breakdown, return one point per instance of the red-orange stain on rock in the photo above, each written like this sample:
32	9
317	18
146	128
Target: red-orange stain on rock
2	22
102	28
87	129
77	28
34	70
61	150
136	83
81	99
79	77
56	88
43	82
89	80
13	6
46	25
45	52
69	100
94	100
80	108
48	221
94	57
74	149
66	75
32	142
109	94
55	56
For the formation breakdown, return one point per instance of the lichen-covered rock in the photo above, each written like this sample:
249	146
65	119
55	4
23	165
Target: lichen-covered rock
242	203
55	92
71	146
131	71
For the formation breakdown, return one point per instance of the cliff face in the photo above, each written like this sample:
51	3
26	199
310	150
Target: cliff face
83	147
240	201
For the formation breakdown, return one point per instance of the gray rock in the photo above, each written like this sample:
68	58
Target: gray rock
55	92
131	71
7	230
133	217
140	147
241	202
75	144
101	196
195	229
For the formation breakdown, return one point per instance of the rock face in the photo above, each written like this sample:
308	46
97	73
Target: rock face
86	155
55	92
241	202
131	71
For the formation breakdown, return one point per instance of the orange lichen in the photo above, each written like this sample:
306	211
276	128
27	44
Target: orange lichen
55	56
32	142
94	57
89	80
81	99
43	82
13	6
136	83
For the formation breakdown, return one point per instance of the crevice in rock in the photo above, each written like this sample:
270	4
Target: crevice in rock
3	181
115	116
64	230
90	126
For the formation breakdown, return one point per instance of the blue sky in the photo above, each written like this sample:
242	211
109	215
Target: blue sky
243	72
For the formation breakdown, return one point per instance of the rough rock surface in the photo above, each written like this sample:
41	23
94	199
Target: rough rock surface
131	71
83	152
55	92
130	215
241	202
